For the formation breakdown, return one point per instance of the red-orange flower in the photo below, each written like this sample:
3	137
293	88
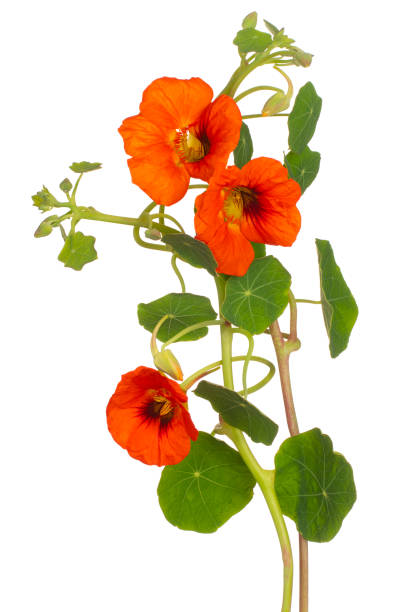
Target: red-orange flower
256	203
147	415
179	134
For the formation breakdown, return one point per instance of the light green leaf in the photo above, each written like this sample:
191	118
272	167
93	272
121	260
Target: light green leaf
184	309
252	40
44	200
244	149
250	20
258	298
205	489
192	250
238	412
303	168
77	251
314	485
339	307
303	118
84	166
66	185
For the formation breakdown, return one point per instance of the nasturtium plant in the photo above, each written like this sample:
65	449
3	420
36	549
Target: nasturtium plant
207	488
183	137
339	306
314	485
183	310
258	298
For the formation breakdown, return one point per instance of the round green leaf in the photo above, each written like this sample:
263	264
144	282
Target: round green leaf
193	251
339	307
184	309
314	485
303	118
84	166
238	412
258	298
303	168
205	489
250	39
244	149
77	251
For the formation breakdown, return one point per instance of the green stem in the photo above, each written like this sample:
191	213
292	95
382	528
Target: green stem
308	301
212	367
247	92
160	215
263	477
283	350
178	273
251	345
258	115
187	330
203	186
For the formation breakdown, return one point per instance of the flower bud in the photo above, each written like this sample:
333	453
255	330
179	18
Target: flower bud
301	58
276	104
166	362
250	20
153	234
45	228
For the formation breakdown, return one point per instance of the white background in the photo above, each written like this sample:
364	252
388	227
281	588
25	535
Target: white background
81	526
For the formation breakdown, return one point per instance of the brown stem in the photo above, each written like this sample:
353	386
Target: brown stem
283	349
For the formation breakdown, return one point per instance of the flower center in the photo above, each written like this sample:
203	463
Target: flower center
239	201
191	147
160	408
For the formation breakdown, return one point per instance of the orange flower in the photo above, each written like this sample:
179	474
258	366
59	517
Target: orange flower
147	415
179	134
256	203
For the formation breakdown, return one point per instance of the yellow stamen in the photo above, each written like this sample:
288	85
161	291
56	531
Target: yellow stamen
190	147
238	201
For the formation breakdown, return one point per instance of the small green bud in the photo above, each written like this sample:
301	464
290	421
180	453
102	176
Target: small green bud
153	234
250	20
44	200
276	104
45	228
301	58
66	185
166	362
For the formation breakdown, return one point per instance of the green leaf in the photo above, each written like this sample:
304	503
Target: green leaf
81	167
205	489
258	298
238	412
259	249
250	20
45	228
339	307
303	168
44	200
77	251
66	185
314	485
185	309
192	251
303	118
244	149
279	37
252	40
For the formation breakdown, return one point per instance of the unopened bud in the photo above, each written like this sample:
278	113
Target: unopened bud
301	58
250	20
45	228
153	234
276	104
166	362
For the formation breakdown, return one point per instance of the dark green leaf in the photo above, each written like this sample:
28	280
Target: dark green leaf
238	412
66	185
77	251
191	250
258	298
303	118
339	306
250	20
259	249
45	228
303	168
185	309
314	485
81	167
244	149
44	200
252	40
208	487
